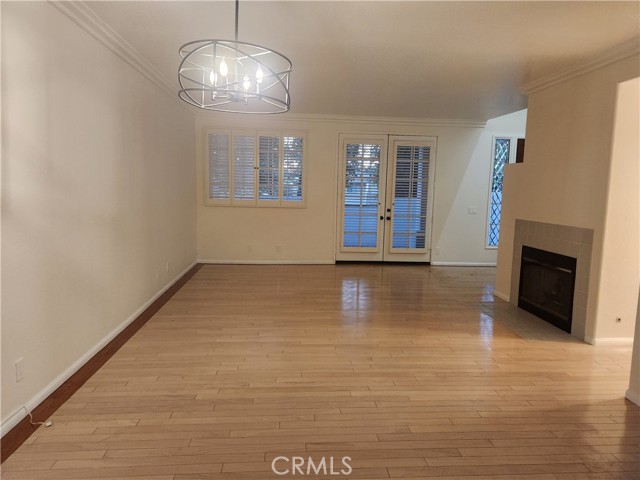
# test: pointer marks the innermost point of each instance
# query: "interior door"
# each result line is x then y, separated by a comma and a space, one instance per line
386, 198
363, 167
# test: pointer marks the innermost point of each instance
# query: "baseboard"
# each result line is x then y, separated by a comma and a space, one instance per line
633, 397
501, 296
463, 264
141, 315
622, 341
268, 262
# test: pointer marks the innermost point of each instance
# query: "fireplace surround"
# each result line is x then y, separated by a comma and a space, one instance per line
565, 240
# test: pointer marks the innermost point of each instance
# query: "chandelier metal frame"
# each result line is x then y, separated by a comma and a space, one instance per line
255, 81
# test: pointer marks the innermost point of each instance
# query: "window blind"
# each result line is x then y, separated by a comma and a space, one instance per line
244, 149
269, 167
410, 196
219, 166
292, 171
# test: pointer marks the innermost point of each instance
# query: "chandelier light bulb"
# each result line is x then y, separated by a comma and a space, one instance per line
213, 77
224, 69
246, 83
259, 75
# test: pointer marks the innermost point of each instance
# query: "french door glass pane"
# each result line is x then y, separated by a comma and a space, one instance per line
361, 195
410, 197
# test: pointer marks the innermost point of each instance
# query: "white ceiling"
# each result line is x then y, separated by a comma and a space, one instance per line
462, 60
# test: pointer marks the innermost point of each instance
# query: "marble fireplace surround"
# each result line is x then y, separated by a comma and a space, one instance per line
570, 241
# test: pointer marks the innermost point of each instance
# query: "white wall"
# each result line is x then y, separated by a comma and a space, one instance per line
98, 194
564, 177
460, 234
463, 164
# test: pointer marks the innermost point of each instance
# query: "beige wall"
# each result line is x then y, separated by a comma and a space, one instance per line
98, 194
620, 272
633, 393
232, 234
564, 178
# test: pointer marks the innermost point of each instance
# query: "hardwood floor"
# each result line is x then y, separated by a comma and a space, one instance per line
411, 371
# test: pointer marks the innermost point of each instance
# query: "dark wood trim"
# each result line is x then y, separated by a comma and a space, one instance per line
18, 434
520, 150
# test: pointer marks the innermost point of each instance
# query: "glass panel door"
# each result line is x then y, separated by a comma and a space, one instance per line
363, 172
410, 199
385, 208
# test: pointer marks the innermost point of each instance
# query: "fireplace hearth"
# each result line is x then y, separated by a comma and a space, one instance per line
547, 282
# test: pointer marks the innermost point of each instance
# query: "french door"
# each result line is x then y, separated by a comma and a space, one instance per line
385, 198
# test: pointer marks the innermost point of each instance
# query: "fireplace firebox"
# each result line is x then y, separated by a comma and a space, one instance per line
547, 282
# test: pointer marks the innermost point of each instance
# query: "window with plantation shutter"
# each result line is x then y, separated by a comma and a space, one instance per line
249, 168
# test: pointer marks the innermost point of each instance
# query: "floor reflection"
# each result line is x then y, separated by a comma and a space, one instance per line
486, 329
355, 298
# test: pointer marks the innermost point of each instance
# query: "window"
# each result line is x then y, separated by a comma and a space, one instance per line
501, 155
255, 168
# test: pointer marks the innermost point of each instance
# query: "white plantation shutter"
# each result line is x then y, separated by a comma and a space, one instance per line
244, 171
269, 168
219, 173
249, 168
292, 169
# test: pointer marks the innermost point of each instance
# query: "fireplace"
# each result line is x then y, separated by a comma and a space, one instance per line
573, 242
547, 283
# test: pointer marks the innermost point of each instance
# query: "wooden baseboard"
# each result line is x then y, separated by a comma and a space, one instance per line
623, 341
462, 264
18, 434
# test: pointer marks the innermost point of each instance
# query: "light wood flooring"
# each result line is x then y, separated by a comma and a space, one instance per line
412, 371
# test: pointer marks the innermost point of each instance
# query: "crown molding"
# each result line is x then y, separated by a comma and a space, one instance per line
82, 15
619, 52
85, 18
321, 118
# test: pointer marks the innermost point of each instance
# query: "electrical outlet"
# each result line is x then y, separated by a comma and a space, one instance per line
278, 248
19, 369
472, 210
437, 250
157, 274
250, 248
168, 267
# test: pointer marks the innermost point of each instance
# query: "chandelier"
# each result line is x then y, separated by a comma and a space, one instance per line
235, 77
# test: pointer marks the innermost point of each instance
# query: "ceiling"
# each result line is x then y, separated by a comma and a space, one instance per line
453, 60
